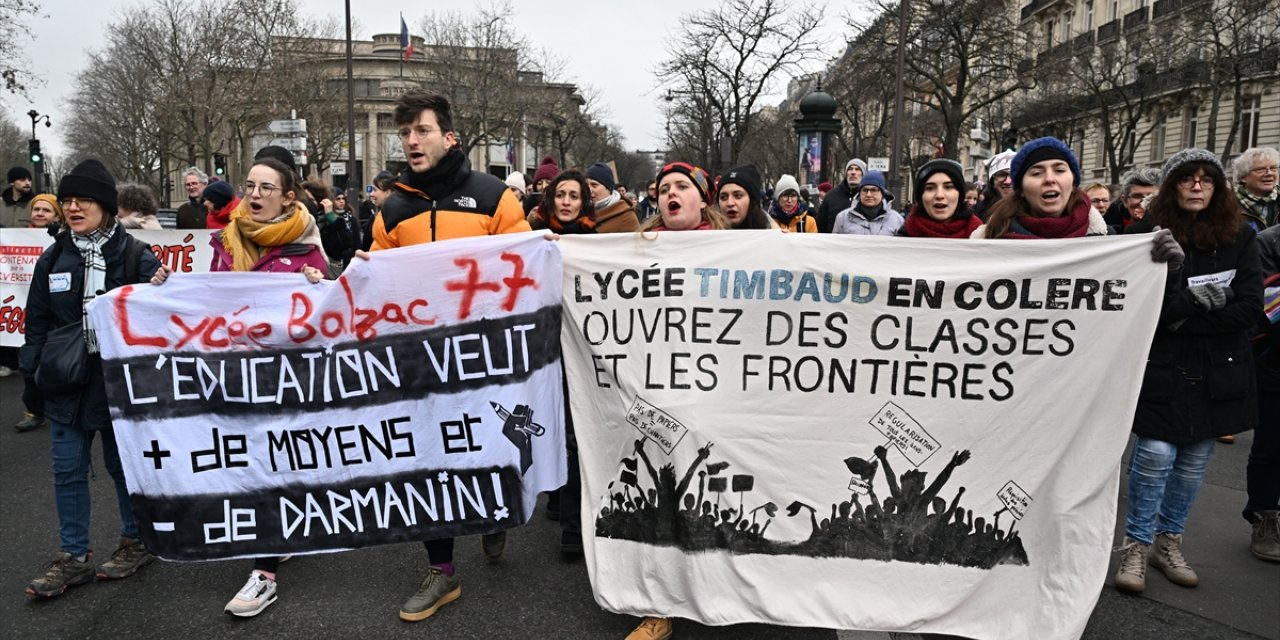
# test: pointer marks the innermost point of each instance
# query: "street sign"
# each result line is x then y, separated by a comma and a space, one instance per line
296, 125
300, 158
292, 144
338, 169
878, 164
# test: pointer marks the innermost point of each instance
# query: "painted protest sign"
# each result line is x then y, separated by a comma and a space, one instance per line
183, 251
419, 396
868, 439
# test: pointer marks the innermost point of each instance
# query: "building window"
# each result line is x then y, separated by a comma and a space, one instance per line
1191, 127
1158, 138
1077, 142
1250, 112
1067, 21
1088, 15
1048, 33
1115, 10
386, 121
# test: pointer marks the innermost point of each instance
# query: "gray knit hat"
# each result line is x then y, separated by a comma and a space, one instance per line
1190, 155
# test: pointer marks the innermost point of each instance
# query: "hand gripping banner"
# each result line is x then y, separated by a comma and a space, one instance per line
419, 396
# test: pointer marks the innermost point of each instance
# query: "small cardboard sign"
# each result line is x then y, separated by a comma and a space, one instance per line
1014, 499
656, 425
905, 433
859, 486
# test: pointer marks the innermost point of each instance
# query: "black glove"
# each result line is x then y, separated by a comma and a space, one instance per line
1210, 296
1165, 249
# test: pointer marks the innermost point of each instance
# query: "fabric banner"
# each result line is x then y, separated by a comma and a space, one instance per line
860, 433
419, 396
184, 251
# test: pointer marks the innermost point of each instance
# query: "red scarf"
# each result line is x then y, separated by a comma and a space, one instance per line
580, 224
1073, 225
920, 225
220, 218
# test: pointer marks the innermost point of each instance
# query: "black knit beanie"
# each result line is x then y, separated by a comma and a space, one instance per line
600, 172
747, 177
938, 165
278, 153
90, 179
19, 173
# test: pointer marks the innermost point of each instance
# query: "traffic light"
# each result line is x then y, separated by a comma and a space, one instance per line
36, 156
219, 164
1009, 139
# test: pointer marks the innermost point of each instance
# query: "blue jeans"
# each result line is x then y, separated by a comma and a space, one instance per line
1164, 479
1264, 457
72, 455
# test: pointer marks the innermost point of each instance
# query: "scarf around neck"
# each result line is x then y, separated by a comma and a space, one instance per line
439, 181
1263, 205
785, 218
245, 238
95, 276
579, 225
960, 225
608, 202
1075, 224
870, 214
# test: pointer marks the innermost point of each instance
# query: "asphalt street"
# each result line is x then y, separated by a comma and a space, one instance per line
531, 592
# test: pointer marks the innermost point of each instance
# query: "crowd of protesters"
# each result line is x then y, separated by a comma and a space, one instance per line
1213, 369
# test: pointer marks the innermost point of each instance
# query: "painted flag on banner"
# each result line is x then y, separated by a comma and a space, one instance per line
829, 431
406, 43
257, 414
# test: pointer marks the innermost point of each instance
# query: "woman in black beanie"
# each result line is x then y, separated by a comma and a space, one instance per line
91, 256
940, 210
738, 199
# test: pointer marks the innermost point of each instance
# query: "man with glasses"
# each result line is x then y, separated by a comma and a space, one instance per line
191, 214
1134, 186
439, 198
1099, 196
1256, 173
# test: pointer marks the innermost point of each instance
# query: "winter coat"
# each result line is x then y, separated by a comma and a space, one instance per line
84, 408
288, 258
15, 213
140, 221
1268, 365
1261, 212
647, 208
837, 200
473, 204
191, 215
853, 221
802, 222
341, 238
1200, 379
617, 217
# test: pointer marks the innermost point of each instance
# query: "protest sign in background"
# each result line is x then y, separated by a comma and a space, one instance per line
182, 251
417, 397
847, 432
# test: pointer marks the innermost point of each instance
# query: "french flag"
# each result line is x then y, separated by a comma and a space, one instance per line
406, 43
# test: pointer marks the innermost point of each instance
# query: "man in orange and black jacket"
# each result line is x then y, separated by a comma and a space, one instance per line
440, 198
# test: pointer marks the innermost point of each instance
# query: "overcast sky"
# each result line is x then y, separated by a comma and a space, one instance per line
613, 46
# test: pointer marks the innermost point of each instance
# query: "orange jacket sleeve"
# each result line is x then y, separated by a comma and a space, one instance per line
509, 217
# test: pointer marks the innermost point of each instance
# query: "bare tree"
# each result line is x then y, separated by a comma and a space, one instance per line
13, 56
962, 56
771, 146
13, 144
724, 60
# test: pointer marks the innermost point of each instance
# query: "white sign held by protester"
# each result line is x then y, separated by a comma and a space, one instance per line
828, 431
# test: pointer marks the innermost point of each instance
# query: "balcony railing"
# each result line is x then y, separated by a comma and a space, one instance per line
1164, 9
1083, 42
1109, 31
1135, 20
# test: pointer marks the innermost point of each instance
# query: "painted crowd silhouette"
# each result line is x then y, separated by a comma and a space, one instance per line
913, 524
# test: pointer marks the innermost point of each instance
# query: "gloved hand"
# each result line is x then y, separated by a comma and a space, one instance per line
1167, 250
1210, 296
330, 217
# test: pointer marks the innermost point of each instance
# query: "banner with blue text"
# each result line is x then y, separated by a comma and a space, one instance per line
418, 396
860, 433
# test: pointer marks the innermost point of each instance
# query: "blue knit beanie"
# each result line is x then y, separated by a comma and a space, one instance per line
1039, 150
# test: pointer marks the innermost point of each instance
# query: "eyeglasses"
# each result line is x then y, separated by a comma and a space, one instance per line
1100, 200
1257, 171
1205, 182
422, 131
194, 183
80, 203
265, 189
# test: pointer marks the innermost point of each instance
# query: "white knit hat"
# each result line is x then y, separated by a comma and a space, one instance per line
516, 181
784, 184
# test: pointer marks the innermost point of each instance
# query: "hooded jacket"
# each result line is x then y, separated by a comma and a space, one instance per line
855, 221
470, 204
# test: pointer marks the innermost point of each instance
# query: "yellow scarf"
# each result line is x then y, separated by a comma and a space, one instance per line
244, 237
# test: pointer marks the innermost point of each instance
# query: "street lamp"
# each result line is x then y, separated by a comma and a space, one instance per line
816, 126
37, 158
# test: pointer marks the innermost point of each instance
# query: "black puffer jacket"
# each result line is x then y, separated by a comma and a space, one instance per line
838, 199
1200, 381
1269, 364
46, 311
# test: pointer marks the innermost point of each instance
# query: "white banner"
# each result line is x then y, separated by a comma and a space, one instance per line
184, 251
859, 433
419, 396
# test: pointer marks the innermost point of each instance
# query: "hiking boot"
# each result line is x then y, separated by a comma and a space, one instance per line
1132, 575
29, 422
258, 593
1166, 555
62, 572
493, 544
652, 629
436, 591
1265, 543
125, 560
570, 544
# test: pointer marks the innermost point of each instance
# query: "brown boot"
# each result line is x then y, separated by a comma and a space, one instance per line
652, 629
1265, 543
1166, 555
1132, 575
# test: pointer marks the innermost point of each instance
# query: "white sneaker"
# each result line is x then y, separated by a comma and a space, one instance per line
256, 594
5, 372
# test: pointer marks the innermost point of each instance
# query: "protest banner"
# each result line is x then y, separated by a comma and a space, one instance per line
419, 396
860, 433
184, 251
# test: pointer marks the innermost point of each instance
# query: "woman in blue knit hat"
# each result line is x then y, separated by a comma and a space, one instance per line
1200, 380
1047, 201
